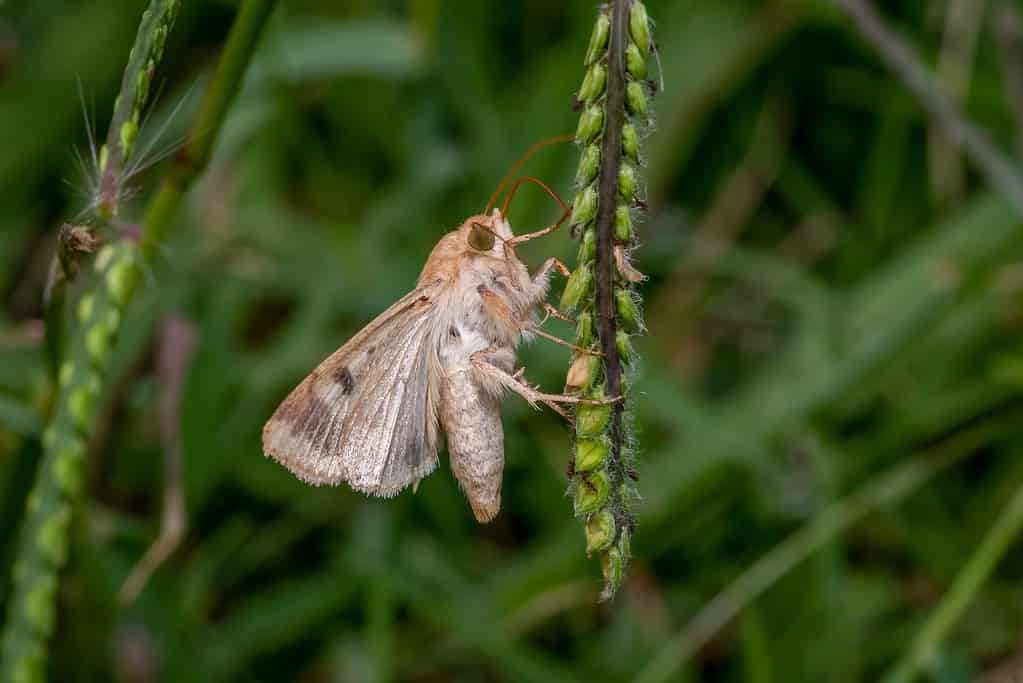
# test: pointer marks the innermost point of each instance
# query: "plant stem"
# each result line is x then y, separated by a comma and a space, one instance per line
607, 202
970, 580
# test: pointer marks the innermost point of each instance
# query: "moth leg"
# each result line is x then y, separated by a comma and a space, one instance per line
551, 312
519, 239
517, 383
540, 283
568, 345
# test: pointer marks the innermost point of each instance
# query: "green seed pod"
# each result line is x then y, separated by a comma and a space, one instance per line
119, 280
67, 469
577, 286
67, 370
589, 164
39, 604
81, 404
97, 343
614, 561
591, 420
593, 83
598, 39
628, 311
624, 346
587, 246
635, 98
584, 329
591, 493
591, 121
623, 224
630, 142
584, 208
129, 131
600, 531
86, 305
635, 62
590, 454
52, 535
627, 183
639, 27
104, 153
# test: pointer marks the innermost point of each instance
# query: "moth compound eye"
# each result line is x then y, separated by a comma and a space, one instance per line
480, 238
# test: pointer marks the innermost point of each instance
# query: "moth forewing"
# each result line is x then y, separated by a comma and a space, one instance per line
365, 414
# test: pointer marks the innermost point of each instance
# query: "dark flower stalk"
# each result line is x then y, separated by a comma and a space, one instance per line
613, 98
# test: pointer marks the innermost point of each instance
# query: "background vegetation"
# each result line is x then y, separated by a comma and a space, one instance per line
830, 386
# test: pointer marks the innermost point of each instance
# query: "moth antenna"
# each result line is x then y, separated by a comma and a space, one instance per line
518, 164
536, 181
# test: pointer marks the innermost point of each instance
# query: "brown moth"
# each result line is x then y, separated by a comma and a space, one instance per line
436, 362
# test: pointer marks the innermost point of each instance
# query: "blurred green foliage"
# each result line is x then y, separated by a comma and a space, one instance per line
825, 306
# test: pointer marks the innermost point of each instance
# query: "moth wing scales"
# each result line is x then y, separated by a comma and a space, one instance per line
379, 375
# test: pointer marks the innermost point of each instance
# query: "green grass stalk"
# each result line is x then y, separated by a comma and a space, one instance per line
98, 316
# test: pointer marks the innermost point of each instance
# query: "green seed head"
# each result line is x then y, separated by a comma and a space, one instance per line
628, 311
636, 99
67, 468
39, 604
591, 122
86, 305
591, 493
600, 531
598, 39
119, 280
589, 164
590, 454
623, 224
624, 346
129, 131
81, 403
584, 329
51, 538
614, 561
639, 26
97, 343
627, 183
591, 420
593, 83
635, 62
587, 246
584, 208
630, 142
576, 288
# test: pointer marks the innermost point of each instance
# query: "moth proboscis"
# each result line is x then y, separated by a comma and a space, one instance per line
436, 361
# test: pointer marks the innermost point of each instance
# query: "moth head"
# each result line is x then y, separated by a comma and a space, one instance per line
488, 234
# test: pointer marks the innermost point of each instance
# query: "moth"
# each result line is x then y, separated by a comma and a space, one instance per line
434, 365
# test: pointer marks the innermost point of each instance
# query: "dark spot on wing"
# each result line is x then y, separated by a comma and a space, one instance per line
423, 299
454, 332
343, 376
413, 455
371, 350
